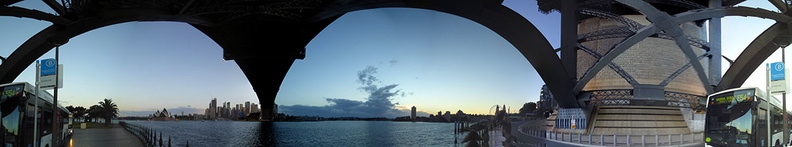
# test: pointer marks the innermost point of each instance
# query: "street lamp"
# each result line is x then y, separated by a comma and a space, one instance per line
56, 41
783, 41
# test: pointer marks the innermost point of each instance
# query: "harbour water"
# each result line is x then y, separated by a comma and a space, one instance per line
316, 133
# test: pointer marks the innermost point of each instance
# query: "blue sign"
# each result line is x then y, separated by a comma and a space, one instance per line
49, 67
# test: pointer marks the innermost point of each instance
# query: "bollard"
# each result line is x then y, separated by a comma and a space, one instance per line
188, 143
169, 143
160, 141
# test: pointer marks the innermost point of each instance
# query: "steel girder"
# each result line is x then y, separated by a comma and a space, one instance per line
680, 70
612, 65
753, 56
661, 20
502, 20
680, 18
34, 14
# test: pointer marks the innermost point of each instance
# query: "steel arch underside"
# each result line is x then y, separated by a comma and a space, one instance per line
760, 48
491, 14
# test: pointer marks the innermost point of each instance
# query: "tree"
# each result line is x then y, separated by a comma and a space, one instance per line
77, 112
529, 107
108, 110
93, 113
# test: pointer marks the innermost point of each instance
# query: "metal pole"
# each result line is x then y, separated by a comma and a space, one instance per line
785, 135
55, 129
35, 110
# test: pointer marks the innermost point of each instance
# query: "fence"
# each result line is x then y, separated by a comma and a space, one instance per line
148, 135
616, 140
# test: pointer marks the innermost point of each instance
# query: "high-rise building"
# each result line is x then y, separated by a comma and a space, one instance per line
412, 114
240, 110
227, 110
212, 109
254, 108
206, 113
247, 108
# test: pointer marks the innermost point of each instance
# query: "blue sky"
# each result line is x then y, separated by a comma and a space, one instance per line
438, 62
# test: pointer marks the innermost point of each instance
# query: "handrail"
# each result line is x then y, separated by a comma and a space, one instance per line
147, 135
615, 140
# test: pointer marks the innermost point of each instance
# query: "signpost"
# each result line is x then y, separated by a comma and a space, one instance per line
777, 84
50, 74
778, 80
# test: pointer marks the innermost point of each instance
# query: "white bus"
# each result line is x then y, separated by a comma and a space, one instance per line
17, 111
743, 117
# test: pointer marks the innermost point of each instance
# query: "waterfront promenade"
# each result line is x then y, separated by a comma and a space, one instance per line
102, 136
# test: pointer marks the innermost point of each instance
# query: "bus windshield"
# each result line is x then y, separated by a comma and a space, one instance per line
729, 118
9, 109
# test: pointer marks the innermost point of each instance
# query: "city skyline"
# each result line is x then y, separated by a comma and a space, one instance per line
438, 61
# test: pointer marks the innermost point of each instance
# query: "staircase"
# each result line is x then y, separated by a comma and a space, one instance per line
638, 120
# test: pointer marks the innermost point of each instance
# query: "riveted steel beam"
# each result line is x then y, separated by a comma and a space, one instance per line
666, 23
626, 76
680, 70
613, 53
34, 14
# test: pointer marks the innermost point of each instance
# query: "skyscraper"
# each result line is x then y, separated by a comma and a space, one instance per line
227, 110
247, 108
254, 108
212, 109
412, 114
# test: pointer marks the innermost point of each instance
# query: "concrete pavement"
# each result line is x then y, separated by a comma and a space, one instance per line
114, 135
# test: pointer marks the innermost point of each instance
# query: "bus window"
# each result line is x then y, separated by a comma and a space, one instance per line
730, 120
10, 98
761, 128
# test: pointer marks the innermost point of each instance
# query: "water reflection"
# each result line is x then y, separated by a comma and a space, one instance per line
320, 133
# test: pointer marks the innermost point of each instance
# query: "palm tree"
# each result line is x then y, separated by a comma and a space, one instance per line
108, 110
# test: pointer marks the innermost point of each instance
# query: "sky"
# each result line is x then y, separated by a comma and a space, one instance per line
366, 63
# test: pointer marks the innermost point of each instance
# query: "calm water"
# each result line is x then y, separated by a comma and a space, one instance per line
321, 133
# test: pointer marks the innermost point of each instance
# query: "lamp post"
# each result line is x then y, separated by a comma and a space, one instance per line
783, 41
56, 41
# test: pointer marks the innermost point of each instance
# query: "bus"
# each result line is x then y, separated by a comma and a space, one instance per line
743, 117
17, 122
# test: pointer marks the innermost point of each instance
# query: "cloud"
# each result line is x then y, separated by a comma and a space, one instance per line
377, 104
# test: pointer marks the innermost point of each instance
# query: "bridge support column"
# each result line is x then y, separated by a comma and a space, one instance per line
265, 75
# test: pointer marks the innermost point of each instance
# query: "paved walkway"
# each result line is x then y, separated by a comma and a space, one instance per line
104, 137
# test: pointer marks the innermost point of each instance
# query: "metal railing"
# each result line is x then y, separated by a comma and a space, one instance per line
147, 135
616, 140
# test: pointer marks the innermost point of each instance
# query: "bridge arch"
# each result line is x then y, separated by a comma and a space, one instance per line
510, 25
760, 48
513, 27
39, 44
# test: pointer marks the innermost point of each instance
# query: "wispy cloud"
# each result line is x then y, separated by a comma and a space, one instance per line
378, 104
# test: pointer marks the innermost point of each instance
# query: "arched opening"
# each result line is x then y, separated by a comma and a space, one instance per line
434, 58
531, 33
